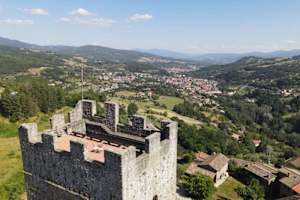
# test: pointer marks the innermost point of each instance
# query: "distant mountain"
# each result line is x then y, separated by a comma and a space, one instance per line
100, 53
15, 43
220, 58
95, 53
165, 53
158, 56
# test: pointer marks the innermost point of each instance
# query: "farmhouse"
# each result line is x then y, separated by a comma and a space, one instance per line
214, 166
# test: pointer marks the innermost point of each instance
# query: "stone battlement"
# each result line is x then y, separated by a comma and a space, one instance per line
88, 149
93, 157
96, 137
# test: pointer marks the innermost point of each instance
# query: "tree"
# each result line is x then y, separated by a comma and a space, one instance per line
254, 191
279, 162
132, 109
188, 157
232, 166
198, 186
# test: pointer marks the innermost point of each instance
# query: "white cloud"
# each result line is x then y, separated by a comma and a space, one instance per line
140, 17
102, 22
97, 22
80, 12
36, 11
16, 22
64, 19
291, 42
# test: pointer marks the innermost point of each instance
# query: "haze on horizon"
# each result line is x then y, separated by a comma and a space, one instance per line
194, 26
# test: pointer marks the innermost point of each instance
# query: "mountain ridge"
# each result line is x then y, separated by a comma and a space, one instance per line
97, 53
222, 58
101, 53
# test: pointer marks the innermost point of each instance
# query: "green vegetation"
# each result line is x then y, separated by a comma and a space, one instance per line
11, 175
209, 139
154, 109
228, 190
253, 191
13, 60
198, 186
132, 109
7, 129
126, 94
26, 99
189, 109
169, 101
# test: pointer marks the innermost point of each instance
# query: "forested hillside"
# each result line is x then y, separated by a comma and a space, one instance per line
13, 60
259, 72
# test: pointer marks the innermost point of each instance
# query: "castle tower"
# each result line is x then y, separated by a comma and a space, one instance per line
86, 159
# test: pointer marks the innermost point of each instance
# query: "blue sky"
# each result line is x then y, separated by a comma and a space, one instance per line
194, 26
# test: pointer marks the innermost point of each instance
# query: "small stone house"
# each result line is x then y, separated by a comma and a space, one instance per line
214, 166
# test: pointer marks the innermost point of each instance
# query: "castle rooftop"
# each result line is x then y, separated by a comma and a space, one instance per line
94, 148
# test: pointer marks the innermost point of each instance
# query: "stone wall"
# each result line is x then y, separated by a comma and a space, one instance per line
52, 174
69, 171
153, 173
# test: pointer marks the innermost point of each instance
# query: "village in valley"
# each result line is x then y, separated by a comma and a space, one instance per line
149, 100
164, 96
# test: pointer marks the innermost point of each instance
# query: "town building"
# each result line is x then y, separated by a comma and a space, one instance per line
92, 157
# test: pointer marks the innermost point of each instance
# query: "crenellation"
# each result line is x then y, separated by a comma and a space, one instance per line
76, 114
57, 122
153, 143
138, 123
30, 132
86, 159
112, 115
89, 108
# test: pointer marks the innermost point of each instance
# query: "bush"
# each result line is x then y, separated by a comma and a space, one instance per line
198, 186
188, 157
254, 191
132, 109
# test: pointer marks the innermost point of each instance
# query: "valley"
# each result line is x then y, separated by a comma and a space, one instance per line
245, 110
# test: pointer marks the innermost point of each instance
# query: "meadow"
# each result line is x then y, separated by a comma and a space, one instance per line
11, 174
155, 109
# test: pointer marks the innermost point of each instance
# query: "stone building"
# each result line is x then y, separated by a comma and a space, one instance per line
92, 157
214, 166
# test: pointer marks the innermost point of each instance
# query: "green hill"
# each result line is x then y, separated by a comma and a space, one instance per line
14, 60
271, 72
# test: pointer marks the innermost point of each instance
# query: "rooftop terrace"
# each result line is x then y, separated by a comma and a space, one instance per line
94, 148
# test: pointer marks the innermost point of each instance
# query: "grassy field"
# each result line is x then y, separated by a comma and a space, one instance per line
170, 102
167, 114
7, 129
158, 111
11, 175
125, 93
227, 190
